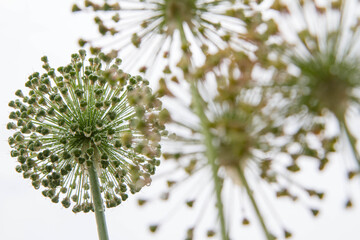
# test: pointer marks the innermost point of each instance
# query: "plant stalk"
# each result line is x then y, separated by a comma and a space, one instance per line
97, 199
211, 155
253, 202
352, 140
210, 150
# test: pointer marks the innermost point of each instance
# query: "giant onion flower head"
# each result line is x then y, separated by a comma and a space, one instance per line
328, 61
158, 27
251, 129
323, 48
255, 143
86, 115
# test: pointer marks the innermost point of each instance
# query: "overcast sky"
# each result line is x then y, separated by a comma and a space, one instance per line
31, 29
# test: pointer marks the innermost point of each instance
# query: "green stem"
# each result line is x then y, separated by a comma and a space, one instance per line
253, 202
97, 199
210, 150
352, 141
211, 155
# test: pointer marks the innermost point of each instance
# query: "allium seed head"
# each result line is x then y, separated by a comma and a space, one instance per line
77, 120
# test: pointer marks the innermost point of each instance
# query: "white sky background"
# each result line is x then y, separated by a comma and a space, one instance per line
31, 29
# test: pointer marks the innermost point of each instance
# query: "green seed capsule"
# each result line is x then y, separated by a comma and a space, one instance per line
18, 169
19, 93
81, 160
66, 202
54, 158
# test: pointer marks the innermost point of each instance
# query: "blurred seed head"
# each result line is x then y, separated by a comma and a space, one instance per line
84, 113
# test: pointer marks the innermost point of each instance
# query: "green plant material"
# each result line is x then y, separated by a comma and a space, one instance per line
87, 135
209, 25
96, 194
328, 66
253, 202
211, 155
246, 124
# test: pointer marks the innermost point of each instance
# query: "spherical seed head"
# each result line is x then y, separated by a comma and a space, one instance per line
190, 22
328, 62
246, 125
329, 82
67, 130
176, 13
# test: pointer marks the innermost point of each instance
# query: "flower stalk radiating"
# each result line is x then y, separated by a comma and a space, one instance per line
248, 134
157, 28
328, 64
86, 136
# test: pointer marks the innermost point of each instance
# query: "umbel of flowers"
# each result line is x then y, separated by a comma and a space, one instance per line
252, 141
86, 126
157, 28
328, 65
